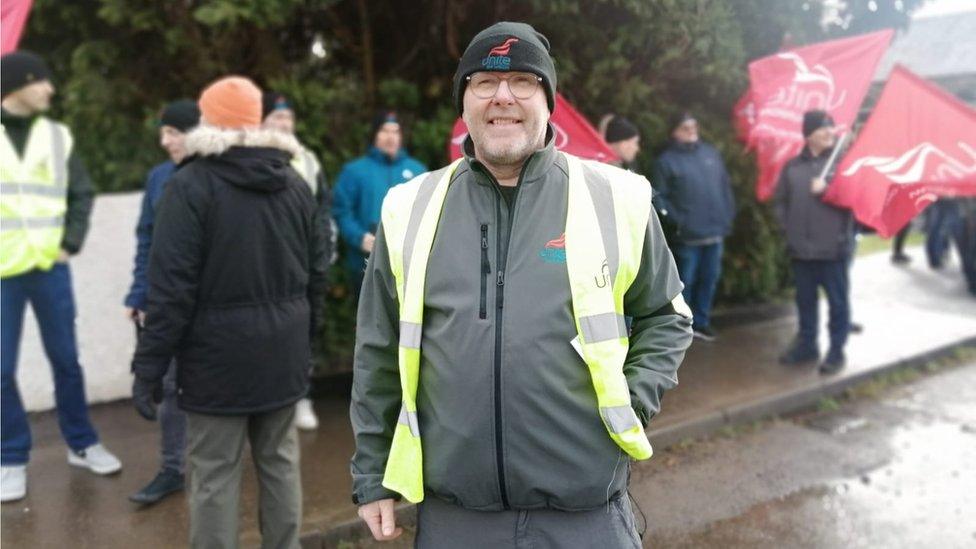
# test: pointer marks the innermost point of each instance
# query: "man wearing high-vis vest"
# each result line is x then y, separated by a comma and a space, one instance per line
277, 114
496, 381
45, 201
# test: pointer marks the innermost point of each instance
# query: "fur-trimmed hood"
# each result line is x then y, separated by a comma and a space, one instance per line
205, 140
258, 160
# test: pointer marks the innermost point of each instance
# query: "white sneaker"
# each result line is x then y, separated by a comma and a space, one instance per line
96, 459
13, 482
305, 418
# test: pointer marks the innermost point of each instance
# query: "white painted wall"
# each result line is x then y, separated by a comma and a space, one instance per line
101, 273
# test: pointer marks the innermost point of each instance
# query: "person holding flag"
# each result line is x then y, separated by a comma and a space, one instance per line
818, 240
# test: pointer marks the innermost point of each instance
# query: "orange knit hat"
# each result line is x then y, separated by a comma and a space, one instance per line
231, 102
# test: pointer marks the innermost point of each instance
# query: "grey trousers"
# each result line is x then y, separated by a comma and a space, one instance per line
172, 424
443, 525
215, 457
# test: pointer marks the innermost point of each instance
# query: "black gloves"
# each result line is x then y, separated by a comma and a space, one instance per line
146, 395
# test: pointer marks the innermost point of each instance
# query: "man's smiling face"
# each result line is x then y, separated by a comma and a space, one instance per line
505, 130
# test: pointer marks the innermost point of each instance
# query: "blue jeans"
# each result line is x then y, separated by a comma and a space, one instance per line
831, 275
941, 221
172, 424
52, 300
699, 268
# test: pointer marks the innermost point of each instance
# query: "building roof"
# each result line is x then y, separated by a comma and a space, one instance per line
934, 47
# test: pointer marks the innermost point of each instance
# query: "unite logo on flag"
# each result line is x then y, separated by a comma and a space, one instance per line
832, 76
913, 166
919, 144
810, 88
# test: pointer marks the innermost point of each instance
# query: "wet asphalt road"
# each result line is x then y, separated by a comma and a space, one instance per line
893, 470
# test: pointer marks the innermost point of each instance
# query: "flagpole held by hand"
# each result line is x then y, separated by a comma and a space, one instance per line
833, 155
819, 184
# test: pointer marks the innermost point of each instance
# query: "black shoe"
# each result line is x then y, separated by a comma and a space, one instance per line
797, 355
705, 333
901, 258
166, 482
856, 327
834, 363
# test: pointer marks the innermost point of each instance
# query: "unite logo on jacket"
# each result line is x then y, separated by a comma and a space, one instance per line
554, 250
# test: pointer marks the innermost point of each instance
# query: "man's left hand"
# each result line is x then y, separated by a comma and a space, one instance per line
818, 185
63, 256
146, 395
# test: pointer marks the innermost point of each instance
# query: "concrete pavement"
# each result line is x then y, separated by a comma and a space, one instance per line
908, 313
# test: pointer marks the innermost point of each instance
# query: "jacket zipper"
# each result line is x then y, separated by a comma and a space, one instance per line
502, 262
485, 270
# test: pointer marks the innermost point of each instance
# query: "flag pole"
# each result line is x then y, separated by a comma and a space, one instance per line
833, 155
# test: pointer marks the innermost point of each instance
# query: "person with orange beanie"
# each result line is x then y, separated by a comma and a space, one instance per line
236, 271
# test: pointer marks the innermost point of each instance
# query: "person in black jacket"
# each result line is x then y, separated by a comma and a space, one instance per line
694, 195
235, 267
819, 242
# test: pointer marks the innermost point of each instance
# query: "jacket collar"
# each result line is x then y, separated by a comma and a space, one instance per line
536, 165
207, 140
807, 154
685, 147
381, 156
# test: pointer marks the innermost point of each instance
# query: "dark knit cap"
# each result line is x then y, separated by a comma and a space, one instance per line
183, 115
271, 101
382, 117
506, 47
20, 69
814, 120
620, 129
679, 119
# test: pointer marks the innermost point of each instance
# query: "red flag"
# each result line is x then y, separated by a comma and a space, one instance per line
833, 76
744, 116
919, 144
13, 15
574, 135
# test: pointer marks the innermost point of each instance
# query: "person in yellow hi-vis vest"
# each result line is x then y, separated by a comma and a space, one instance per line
45, 202
278, 114
520, 320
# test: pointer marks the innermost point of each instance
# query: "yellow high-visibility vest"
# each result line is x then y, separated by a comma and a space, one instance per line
33, 198
601, 264
308, 167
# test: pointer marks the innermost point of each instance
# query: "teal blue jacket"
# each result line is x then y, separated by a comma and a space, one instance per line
359, 193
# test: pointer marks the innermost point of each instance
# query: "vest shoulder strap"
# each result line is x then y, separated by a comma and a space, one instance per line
629, 197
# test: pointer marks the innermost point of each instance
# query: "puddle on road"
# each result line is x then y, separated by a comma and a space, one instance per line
923, 497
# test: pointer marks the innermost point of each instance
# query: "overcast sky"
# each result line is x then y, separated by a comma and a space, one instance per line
942, 7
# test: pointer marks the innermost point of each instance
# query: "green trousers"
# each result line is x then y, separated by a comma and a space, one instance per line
215, 446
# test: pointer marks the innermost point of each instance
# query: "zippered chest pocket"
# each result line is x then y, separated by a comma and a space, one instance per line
485, 271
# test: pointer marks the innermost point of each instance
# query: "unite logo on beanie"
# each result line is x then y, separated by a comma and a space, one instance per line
498, 59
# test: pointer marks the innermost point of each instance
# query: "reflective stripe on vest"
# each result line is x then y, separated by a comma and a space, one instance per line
605, 228
33, 198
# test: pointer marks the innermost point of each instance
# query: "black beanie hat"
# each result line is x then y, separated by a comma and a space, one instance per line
814, 120
679, 119
21, 68
183, 115
382, 117
620, 129
504, 47
271, 101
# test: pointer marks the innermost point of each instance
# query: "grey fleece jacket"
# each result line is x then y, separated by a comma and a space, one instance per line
814, 230
506, 406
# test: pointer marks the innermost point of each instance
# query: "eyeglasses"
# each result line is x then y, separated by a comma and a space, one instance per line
484, 85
